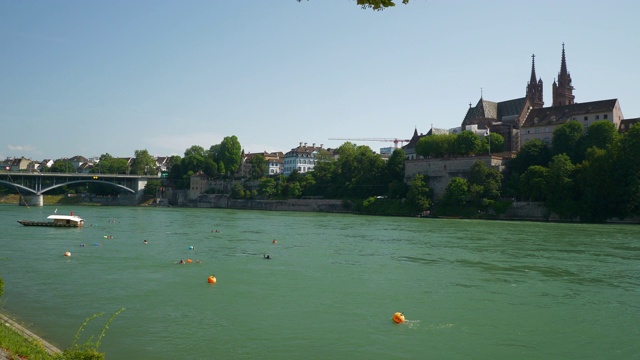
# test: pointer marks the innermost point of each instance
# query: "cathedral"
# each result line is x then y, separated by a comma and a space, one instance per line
513, 117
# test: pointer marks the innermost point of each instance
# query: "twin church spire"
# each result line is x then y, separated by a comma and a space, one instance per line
562, 89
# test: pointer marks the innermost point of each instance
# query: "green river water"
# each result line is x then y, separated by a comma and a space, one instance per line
469, 289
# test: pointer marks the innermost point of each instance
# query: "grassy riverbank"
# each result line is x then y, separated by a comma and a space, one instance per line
14, 344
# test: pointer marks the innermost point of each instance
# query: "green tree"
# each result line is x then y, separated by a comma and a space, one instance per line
231, 154
561, 189
395, 165
143, 164
467, 143
377, 4
457, 192
533, 183
62, 166
596, 186
532, 153
419, 194
601, 134
152, 187
438, 145
267, 187
567, 140
258, 166
626, 172
495, 140
486, 181
237, 191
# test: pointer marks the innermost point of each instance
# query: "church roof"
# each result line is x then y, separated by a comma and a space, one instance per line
560, 114
495, 110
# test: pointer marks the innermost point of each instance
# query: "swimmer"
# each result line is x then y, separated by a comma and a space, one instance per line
274, 241
266, 256
145, 242
181, 262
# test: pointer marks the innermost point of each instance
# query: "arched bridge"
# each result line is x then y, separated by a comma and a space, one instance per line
39, 183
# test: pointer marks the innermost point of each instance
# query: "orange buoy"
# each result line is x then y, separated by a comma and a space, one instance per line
211, 279
67, 253
398, 318
189, 260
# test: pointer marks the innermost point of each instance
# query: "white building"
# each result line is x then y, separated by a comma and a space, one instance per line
301, 158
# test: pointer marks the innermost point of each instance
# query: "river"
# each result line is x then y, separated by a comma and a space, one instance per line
469, 289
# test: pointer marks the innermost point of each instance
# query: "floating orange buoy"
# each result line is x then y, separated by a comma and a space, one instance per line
189, 261
67, 253
398, 318
211, 279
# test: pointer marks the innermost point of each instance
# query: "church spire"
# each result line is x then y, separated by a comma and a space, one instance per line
533, 69
563, 90
563, 65
534, 88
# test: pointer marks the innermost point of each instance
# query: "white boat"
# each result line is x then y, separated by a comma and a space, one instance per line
58, 221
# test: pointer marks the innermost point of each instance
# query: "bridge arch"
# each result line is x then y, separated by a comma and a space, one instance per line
10, 184
84, 181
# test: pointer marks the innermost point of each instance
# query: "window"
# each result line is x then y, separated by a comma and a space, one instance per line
605, 116
546, 129
586, 118
597, 117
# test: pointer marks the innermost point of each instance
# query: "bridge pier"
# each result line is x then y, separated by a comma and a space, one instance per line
31, 200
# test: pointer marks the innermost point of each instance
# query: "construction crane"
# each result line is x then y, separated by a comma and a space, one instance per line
395, 141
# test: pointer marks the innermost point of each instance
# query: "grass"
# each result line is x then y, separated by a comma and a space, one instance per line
18, 346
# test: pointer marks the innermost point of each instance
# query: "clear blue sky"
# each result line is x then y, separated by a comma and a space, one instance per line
93, 77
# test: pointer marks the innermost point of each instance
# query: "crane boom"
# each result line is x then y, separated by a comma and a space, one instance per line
395, 141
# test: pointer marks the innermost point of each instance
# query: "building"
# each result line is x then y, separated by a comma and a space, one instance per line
274, 160
540, 123
301, 159
506, 117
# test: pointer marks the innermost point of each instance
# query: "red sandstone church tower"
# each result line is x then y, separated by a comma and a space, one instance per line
534, 87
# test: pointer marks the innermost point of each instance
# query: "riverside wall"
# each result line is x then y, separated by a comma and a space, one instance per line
182, 199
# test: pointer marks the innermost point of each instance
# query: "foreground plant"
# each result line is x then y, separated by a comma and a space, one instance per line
89, 349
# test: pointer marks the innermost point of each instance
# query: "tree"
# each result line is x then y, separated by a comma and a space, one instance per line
377, 5
495, 140
395, 165
152, 187
231, 154
485, 180
567, 140
237, 191
258, 166
626, 172
533, 183
560, 186
419, 194
143, 164
267, 187
534, 152
438, 145
457, 192
601, 134
62, 166
596, 186
467, 143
